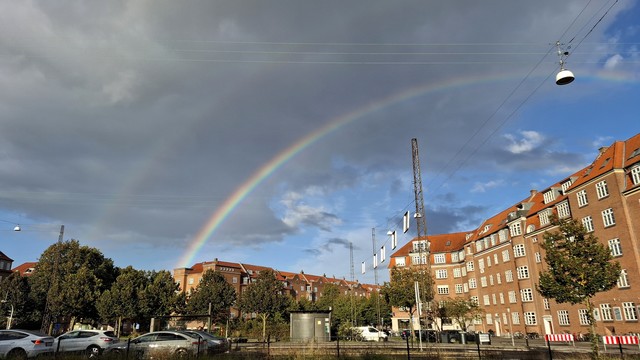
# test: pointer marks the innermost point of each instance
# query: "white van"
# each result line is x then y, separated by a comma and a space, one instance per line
369, 333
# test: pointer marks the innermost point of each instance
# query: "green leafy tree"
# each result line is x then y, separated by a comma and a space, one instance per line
123, 300
400, 290
68, 280
15, 290
160, 296
462, 311
264, 298
213, 290
579, 268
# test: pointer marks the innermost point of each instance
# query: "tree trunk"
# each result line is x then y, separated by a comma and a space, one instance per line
264, 326
595, 351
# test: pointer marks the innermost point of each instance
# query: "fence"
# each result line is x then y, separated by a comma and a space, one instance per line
620, 340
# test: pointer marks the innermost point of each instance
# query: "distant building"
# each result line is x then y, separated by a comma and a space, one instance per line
239, 275
26, 269
498, 264
5, 265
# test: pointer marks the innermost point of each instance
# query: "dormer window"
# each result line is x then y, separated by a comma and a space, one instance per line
635, 175
566, 185
486, 228
549, 196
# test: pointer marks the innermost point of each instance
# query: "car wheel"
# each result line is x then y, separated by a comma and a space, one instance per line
17, 354
182, 353
93, 351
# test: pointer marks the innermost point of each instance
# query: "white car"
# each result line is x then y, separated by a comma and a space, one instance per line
89, 342
159, 344
22, 344
369, 333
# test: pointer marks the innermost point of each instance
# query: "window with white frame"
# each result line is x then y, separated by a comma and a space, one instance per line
530, 228
441, 274
515, 318
615, 247
443, 289
474, 300
607, 217
526, 295
479, 245
493, 296
518, 250
502, 235
635, 175
454, 257
582, 198
505, 255
587, 223
563, 210
470, 265
530, 318
464, 271
623, 280
566, 185
400, 261
501, 295
512, 297
495, 259
515, 229
459, 289
473, 284
605, 312
457, 273
465, 287
508, 276
483, 281
523, 272
601, 189
481, 265
563, 317
549, 196
630, 313
545, 304
544, 217
486, 300
439, 259
538, 257
583, 316
489, 319
491, 280
499, 278
489, 261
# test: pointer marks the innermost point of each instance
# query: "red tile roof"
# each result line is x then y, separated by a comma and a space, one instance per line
25, 269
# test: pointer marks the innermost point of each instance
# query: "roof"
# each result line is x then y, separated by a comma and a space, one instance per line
5, 257
25, 269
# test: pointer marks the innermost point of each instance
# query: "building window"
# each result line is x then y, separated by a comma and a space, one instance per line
563, 210
635, 175
441, 274
508, 276
608, 218
614, 246
566, 185
483, 281
630, 313
518, 250
454, 257
459, 289
582, 198
457, 273
582, 315
481, 265
502, 235
501, 298
623, 280
526, 295
563, 317
443, 289
469, 265
479, 245
545, 303
515, 318
549, 196
486, 300
505, 255
234, 280
523, 272
472, 283
605, 312
538, 257
515, 229
489, 261
191, 281
587, 223
530, 318
512, 297
544, 217
499, 278
439, 259
601, 189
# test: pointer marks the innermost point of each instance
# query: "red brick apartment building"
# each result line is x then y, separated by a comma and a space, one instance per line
298, 285
498, 264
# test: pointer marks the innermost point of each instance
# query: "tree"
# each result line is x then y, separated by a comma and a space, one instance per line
123, 300
213, 290
264, 297
69, 278
400, 290
160, 296
463, 311
15, 290
579, 268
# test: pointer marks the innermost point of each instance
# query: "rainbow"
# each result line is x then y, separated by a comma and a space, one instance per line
222, 212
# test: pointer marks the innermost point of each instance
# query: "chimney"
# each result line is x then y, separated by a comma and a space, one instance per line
533, 192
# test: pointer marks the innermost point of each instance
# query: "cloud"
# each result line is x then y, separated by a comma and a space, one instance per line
613, 62
528, 142
483, 187
297, 213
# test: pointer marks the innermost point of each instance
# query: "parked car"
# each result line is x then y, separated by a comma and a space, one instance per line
22, 344
90, 342
369, 333
159, 344
215, 344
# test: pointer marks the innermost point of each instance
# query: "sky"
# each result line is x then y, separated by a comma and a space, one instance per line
278, 133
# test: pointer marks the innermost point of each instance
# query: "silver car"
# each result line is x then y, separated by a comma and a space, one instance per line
22, 344
159, 344
215, 344
89, 342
